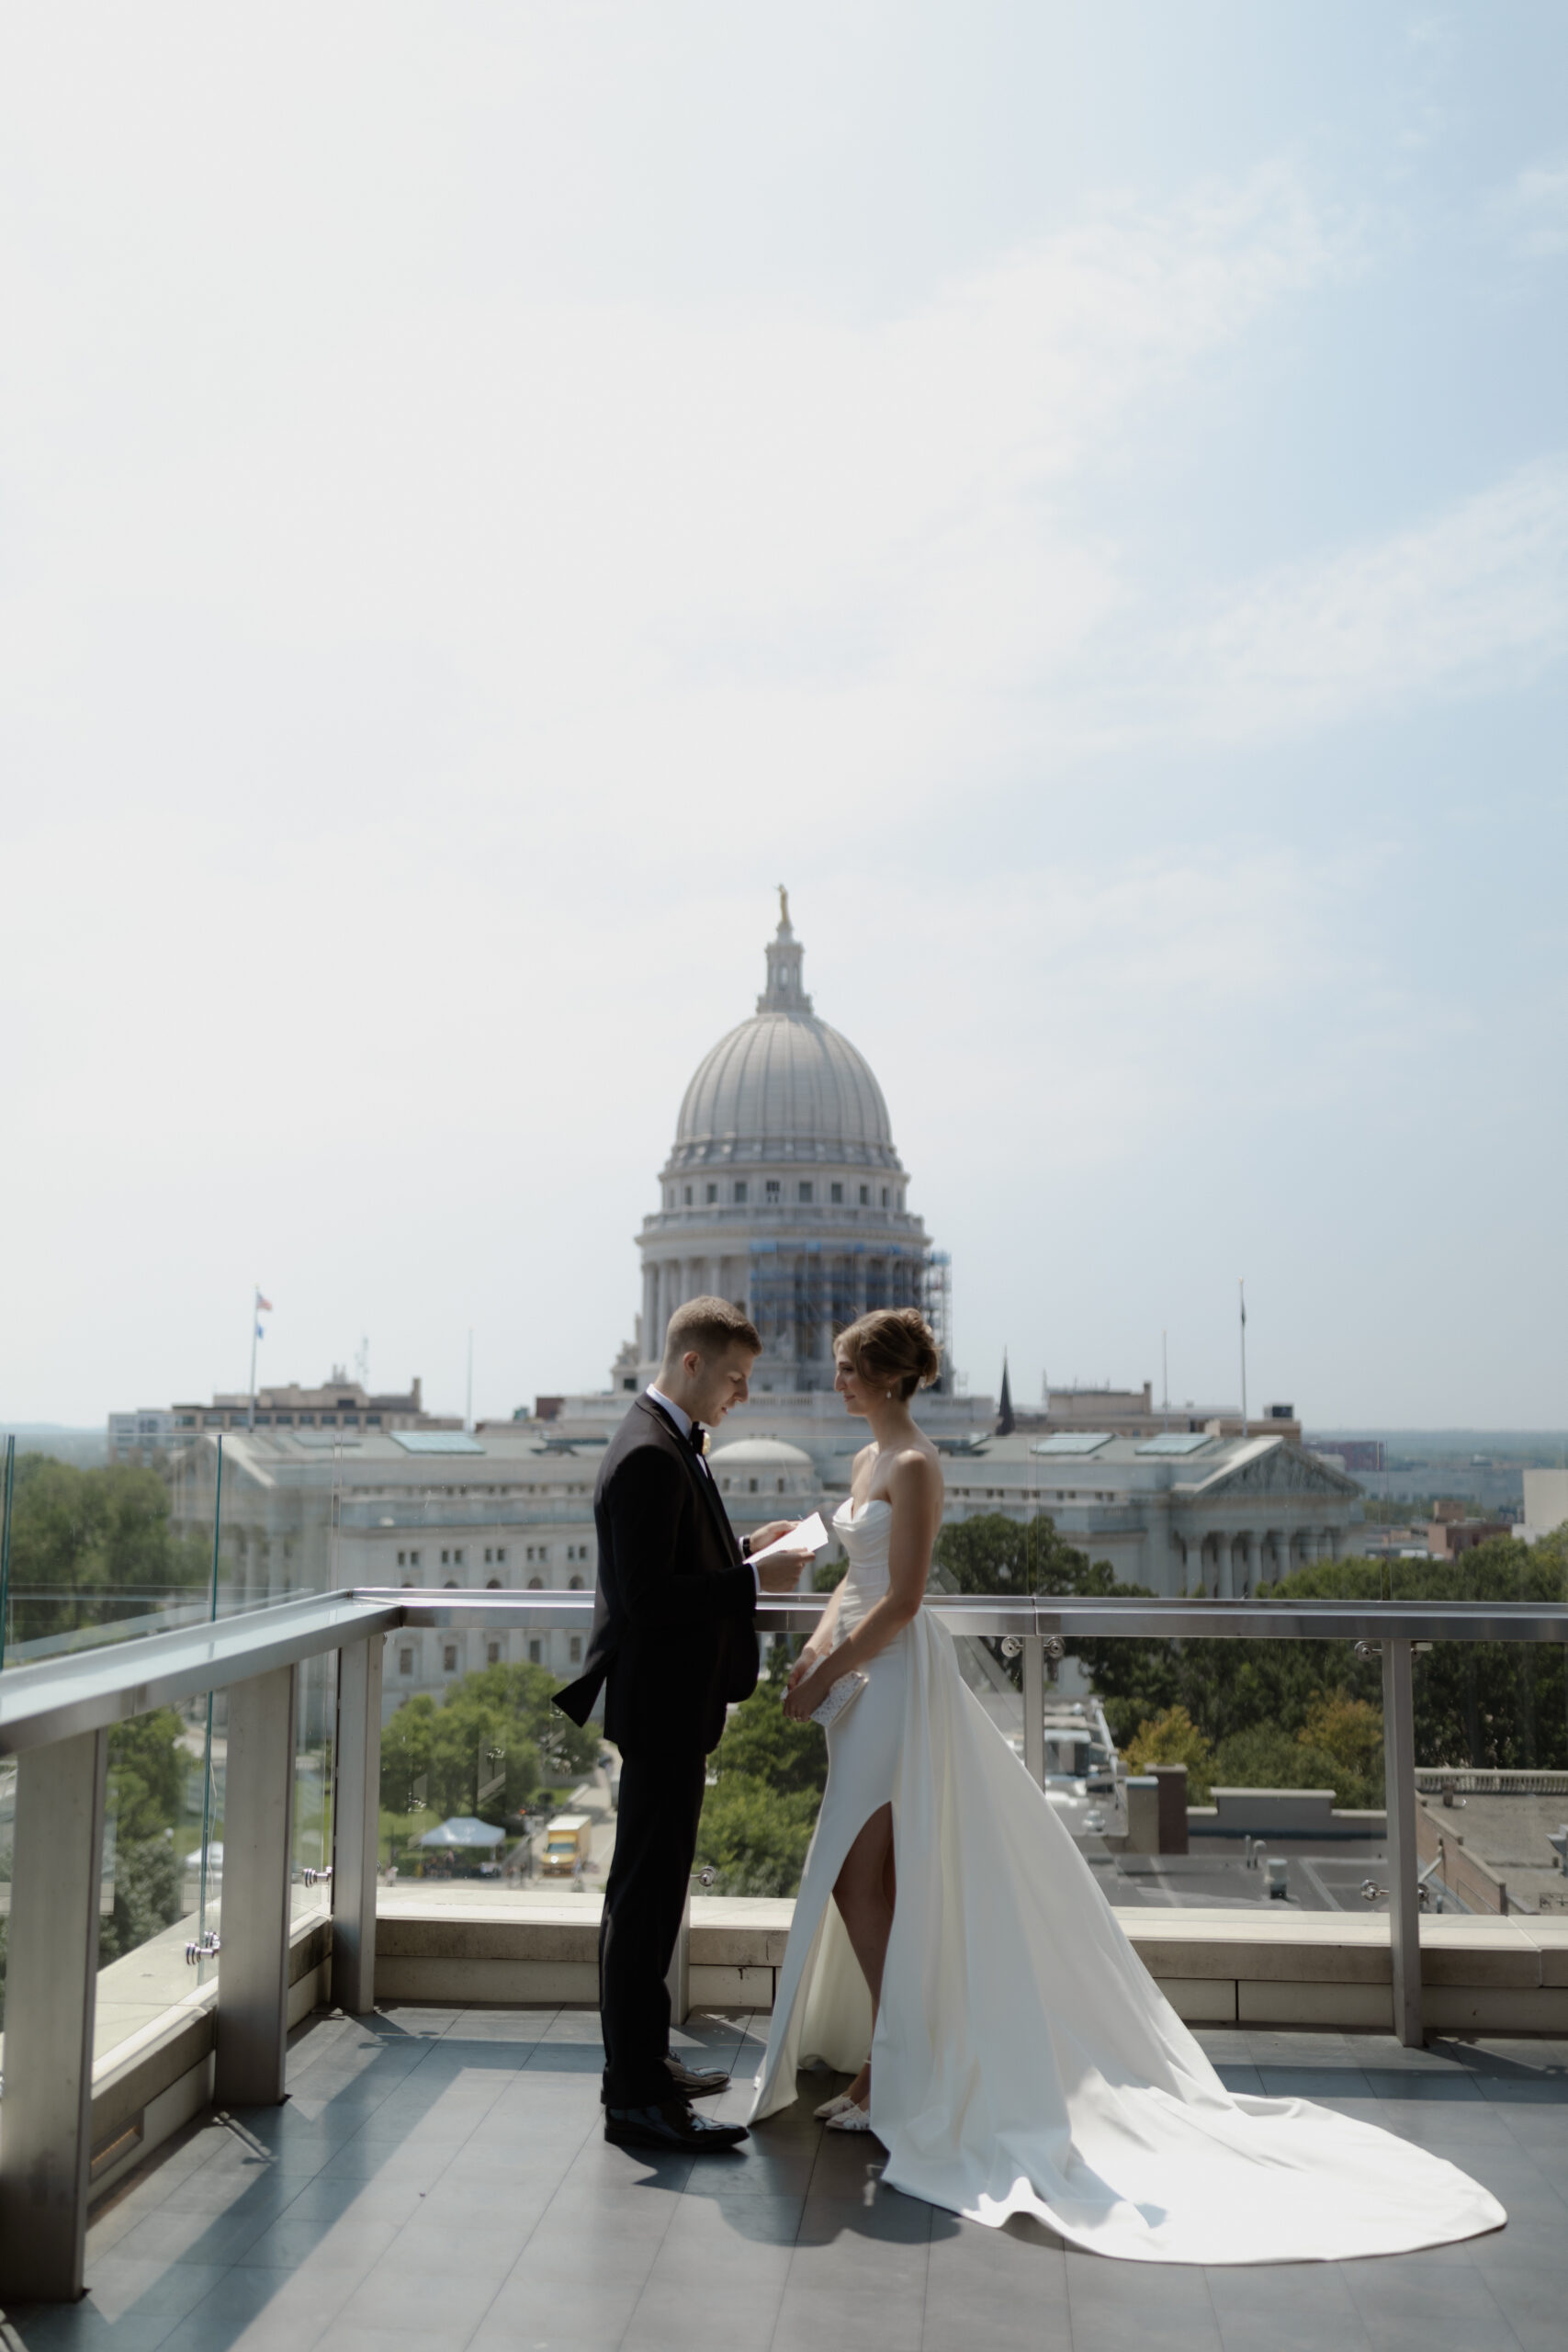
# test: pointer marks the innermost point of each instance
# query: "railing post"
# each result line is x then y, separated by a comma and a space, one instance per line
356, 1816
1404, 1896
1035, 1707
50, 1986
258, 1825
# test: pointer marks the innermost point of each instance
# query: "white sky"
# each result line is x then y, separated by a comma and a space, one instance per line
1080, 493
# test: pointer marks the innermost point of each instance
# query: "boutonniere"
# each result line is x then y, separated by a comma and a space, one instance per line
702, 1436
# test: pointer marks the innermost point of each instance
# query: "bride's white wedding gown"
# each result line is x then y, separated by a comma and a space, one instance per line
1024, 2060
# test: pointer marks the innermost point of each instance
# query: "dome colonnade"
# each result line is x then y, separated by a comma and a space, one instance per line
783, 1191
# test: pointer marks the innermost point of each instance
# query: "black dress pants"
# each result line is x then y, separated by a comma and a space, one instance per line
656, 1837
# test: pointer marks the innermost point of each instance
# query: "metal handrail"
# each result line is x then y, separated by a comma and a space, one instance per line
56, 1698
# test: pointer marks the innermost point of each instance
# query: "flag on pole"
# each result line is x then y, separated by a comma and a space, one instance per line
264, 1305
261, 1330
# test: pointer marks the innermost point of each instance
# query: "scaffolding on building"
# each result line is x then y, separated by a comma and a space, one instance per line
801, 1294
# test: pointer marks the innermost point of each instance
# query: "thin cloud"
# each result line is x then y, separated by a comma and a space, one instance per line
1469, 602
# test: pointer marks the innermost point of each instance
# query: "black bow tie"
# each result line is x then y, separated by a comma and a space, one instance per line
695, 1437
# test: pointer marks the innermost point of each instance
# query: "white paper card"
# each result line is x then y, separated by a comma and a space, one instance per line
809, 1536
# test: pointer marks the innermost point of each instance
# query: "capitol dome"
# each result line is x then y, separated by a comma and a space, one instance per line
783, 1086
783, 1191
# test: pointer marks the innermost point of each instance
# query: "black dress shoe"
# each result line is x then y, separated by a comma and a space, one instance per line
692, 2084
672, 2127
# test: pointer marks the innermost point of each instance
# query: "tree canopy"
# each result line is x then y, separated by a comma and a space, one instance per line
770, 1773
79, 1535
1493, 1704
498, 1725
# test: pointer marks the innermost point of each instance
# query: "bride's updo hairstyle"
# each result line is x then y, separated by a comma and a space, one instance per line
894, 1347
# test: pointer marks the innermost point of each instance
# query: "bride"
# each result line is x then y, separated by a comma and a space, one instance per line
1013, 2054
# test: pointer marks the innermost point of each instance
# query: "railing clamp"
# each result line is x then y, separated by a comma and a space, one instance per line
1055, 1648
316, 1878
1368, 1649
1011, 1645
207, 1947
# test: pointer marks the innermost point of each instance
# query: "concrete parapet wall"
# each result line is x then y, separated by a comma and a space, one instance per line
148, 2085
1214, 1967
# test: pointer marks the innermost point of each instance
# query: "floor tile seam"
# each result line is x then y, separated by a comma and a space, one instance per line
354, 2283
539, 2219
1472, 2270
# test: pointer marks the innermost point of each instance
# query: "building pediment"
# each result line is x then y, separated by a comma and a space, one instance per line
1272, 1465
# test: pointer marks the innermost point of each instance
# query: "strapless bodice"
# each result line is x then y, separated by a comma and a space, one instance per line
865, 1534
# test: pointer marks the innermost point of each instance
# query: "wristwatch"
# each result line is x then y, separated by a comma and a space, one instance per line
745, 1547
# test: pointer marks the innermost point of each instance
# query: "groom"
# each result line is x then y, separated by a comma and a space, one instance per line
674, 1639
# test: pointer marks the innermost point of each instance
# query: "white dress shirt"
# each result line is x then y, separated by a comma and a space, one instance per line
683, 1423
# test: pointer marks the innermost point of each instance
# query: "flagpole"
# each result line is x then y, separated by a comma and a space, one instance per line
1241, 1288
255, 1334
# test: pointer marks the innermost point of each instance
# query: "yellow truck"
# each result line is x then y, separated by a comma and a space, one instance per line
569, 1841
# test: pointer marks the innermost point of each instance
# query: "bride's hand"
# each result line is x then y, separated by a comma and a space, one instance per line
806, 1693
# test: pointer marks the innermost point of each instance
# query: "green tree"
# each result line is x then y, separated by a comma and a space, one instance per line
79, 1538
147, 1773
147, 1764
496, 1726
1018, 1558
1489, 1704
769, 1775
755, 1838
1173, 1738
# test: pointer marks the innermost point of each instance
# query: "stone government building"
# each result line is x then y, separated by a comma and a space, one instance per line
784, 1189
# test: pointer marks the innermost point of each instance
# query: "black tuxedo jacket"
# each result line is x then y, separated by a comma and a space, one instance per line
674, 1618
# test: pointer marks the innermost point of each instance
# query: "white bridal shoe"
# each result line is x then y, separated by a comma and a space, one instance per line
831, 2107
849, 2118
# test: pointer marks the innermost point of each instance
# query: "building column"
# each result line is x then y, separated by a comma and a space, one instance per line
1224, 1568
1331, 1543
652, 1339
1252, 1553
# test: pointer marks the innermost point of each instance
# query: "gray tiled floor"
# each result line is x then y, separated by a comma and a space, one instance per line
438, 2178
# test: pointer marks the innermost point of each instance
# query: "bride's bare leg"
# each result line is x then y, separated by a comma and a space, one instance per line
865, 1894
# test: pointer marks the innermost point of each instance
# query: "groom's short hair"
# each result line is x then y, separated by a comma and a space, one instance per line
710, 1325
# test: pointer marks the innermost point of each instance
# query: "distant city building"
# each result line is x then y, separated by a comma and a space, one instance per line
1132, 1412
341, 1403
137, 1436
308, 1509
1546, 1504
1178, 1511
1358, 1455
1449, 1533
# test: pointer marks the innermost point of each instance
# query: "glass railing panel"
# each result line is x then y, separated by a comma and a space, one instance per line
315, 1724
100, 1553
277, 1509
1249, 1773
151, 1912
7, 1848
487, 1787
